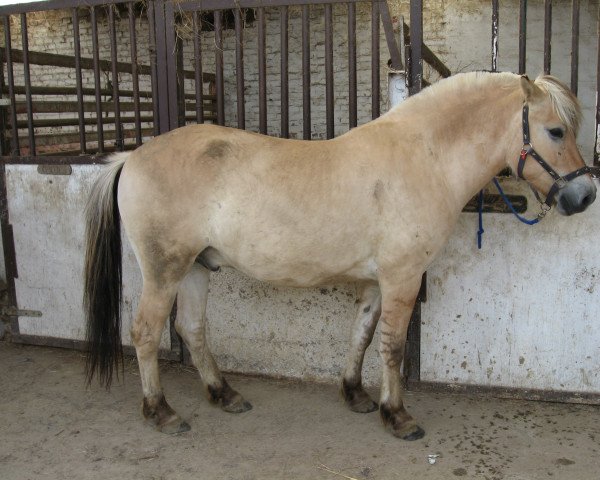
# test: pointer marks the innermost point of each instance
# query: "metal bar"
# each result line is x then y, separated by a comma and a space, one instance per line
54, 160
4, 148
79, 80
375, 76
597, 143
41, 6
306, 127
115, 76
8, 243
547, 36
285, 83
416, 46
239, 68
352, 78
27, 79
180, 82
219, 68
522, 36
134, 74
329, 105
575, 47
209, 5
198, 68
153, 66
388, 28
162, 77
262, 72
97, 86
56, 60
11, 88
495, 22
171, 56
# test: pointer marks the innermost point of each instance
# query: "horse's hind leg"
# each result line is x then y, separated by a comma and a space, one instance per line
369, 309
191, 325
155, 305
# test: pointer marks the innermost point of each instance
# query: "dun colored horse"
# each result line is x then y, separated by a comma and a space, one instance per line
373, 206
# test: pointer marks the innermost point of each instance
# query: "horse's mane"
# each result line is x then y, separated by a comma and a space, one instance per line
565, 104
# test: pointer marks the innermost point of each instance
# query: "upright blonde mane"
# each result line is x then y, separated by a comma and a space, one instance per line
566, 105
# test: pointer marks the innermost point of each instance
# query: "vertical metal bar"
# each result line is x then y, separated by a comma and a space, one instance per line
162, 68
8, 243
307, 130
171, 56
547, 36
522, 36
115, 77
329, 70
597, 145
4, 148
239, 68
79, 80
16, 151
219, 68
262, 73
134, 75
285, 84
416, 43
375, 76
495, 22
180, 83
153, 68
27, 79
352, 79
575, 47
97, 86
198, 68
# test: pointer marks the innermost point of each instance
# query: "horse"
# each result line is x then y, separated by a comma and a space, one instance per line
373, 206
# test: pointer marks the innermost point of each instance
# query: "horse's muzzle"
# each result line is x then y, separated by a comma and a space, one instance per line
576, 196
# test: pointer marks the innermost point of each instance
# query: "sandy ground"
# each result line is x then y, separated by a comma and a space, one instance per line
52, 427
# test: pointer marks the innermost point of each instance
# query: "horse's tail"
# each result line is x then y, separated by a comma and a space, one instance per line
102, 273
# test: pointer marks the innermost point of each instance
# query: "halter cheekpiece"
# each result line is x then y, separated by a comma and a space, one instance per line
559, 181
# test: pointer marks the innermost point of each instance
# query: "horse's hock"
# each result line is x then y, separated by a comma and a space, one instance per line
489, 320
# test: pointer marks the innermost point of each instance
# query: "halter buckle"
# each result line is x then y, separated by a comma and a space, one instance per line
561, 182
525, 150
544, 209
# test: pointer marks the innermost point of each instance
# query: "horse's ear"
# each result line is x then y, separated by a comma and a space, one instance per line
530, 89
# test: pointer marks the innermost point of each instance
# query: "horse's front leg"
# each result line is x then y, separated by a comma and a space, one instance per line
398, 301
369, 309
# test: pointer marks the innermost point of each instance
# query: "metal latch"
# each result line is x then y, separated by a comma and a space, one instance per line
7, 311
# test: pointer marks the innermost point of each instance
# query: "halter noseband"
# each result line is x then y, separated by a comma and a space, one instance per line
559, 181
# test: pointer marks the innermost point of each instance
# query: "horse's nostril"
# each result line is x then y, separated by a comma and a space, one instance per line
587, 200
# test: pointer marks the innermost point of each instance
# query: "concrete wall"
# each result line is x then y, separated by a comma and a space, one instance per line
517, 313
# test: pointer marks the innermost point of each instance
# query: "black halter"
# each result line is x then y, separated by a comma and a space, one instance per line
559, 181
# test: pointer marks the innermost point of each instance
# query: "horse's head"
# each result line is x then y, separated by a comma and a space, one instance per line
550, 160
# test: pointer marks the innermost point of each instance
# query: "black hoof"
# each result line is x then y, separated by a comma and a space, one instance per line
237, 407
416, 435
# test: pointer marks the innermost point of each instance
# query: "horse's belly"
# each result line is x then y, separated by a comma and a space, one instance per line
289, 270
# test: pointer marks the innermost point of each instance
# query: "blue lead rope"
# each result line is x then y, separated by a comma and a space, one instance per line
510, 206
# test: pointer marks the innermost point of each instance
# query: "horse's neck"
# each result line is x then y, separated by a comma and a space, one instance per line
473, 138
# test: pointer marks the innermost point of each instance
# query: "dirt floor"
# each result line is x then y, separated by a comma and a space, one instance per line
52, 427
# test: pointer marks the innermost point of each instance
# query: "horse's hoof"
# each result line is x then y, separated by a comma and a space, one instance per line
365, 406
357, 399
174, 428
400, 423
239, 406
417, 434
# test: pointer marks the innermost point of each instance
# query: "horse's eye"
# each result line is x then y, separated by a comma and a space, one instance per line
556, 133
